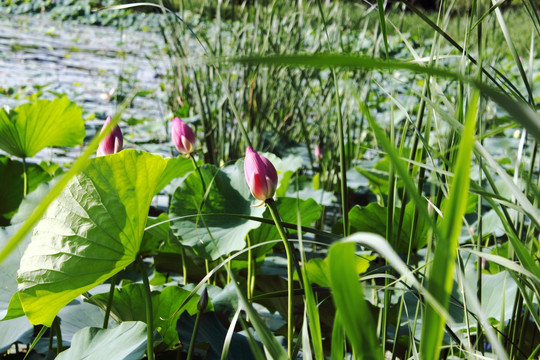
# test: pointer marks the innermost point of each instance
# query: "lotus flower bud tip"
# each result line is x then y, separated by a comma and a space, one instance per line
182, 136
113, 142
261, 176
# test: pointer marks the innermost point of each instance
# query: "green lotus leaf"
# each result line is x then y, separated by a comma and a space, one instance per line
125, 342
217, 234
90, 232
31, 127
372, 218
11, 177
15, 330
10, 306
129, 304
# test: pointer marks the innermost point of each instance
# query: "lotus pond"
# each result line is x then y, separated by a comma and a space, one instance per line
252, 180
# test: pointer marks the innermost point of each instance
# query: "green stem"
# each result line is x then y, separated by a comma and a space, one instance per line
196, 167
58, 332
250, 269
290, 261
207, 267
248, 280
288, 247
184, 267
201, 307
149, 311
194, 335
109, 302
25, 177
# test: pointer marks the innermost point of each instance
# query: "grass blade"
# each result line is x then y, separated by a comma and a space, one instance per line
441, 276
348, 296
382, 19
517, 109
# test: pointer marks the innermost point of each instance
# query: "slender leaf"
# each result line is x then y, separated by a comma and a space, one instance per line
441, 276
348, 297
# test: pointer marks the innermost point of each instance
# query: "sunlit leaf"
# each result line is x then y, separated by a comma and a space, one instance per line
10, 306
176, 167
31, 127
440, 278
348, 296
318, 269
90, 232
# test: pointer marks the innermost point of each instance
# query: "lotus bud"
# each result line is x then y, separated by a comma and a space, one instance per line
113, 142
261, 176
203, 301
318, 152
182, 136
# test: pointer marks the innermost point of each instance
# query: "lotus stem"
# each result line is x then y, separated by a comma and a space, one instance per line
291, 261
25, 177
184, 267
196, 167
109, 302
149, 311
58, 332
201, 306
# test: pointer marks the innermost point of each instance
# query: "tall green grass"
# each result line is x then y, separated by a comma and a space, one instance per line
284, 89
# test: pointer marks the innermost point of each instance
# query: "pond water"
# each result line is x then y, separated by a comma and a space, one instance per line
91, 65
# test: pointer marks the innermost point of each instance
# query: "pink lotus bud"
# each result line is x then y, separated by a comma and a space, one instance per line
113, 142
261, 175
183, 137
318, 152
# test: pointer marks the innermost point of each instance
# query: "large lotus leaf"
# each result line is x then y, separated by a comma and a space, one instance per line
155, 236
8, 272
125, 342
11, 177
318, 269
372, 218
78, 315
90, 232
220, 234
129, 304
15, 330
10, 306
176, 167
31, 127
